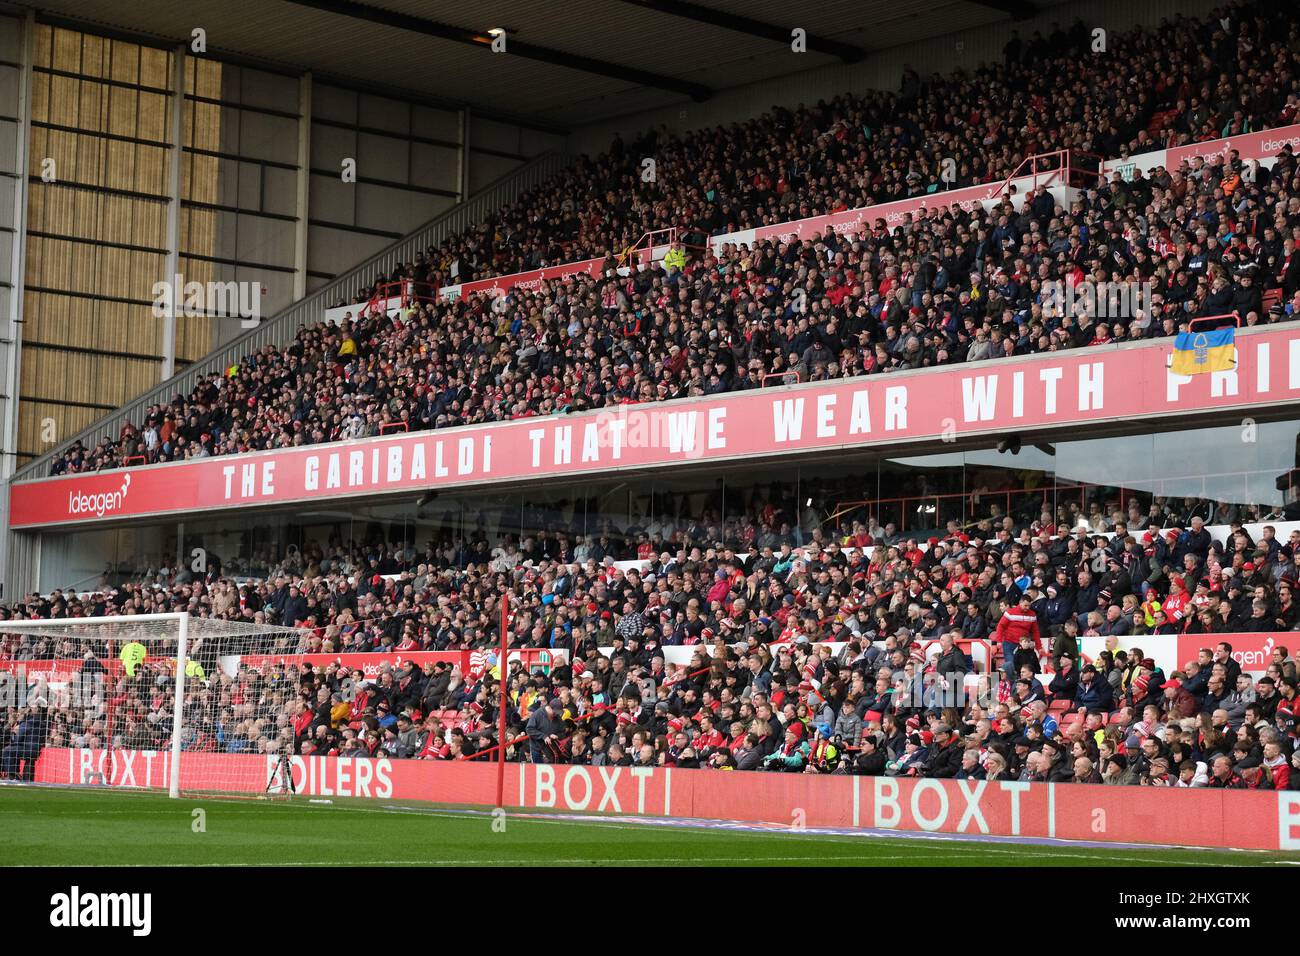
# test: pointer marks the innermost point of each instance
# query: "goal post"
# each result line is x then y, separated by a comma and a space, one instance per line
133, 700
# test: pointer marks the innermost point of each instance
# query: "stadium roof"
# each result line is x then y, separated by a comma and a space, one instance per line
572, 62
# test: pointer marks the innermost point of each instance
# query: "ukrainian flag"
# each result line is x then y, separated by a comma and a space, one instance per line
1212, 351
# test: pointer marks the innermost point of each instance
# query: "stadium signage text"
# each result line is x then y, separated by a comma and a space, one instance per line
1263, 820
1131, 381
1261, 147
99, 503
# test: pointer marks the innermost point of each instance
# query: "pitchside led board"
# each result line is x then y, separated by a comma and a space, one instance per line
1128, 381
1262, 820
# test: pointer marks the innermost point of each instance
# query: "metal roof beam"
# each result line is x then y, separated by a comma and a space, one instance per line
443, 31
768, 31
1016, 9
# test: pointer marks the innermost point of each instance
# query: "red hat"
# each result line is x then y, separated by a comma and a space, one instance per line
676, 724
927, 737
1175, 684
871, 715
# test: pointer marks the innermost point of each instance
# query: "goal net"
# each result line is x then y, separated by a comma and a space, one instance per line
162, 701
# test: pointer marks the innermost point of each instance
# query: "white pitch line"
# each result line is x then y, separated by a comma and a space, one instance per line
704, 860
943, 843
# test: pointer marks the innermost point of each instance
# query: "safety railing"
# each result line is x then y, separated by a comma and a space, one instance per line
279, 329
1041, 169
648, 240
404, 293
786, 377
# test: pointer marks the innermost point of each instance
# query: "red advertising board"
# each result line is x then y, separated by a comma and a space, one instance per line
894, 213
471, 663
531, 280
1219, 818
1254, 652
1055, 389
53, 670
1262, 145
370, 665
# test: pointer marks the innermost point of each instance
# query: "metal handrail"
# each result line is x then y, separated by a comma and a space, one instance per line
280, 328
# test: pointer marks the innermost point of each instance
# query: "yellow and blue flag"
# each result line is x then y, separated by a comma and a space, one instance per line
1212, 351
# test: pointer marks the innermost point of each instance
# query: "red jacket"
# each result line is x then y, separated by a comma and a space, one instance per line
1015, 624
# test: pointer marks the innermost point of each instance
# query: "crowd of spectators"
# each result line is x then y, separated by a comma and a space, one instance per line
1232, 72
813, 650
1211, 237
840, 654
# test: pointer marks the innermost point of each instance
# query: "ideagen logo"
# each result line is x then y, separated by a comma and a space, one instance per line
76, 909
1275, 145
100, 504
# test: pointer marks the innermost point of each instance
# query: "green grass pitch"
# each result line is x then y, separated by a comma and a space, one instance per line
58, 827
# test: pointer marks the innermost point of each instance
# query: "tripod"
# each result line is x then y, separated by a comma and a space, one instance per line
284, 772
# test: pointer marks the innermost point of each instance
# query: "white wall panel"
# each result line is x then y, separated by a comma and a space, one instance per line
382, 157
489, 134
263, 136
434, 167
331, 145
379, 113
484, 169
332, 200
434, 123
263, 90
331, 102
334, 251
278, 190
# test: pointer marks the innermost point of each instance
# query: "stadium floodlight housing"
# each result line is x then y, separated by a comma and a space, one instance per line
46, 667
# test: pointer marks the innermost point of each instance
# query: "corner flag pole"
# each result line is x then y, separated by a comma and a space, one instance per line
502, 699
